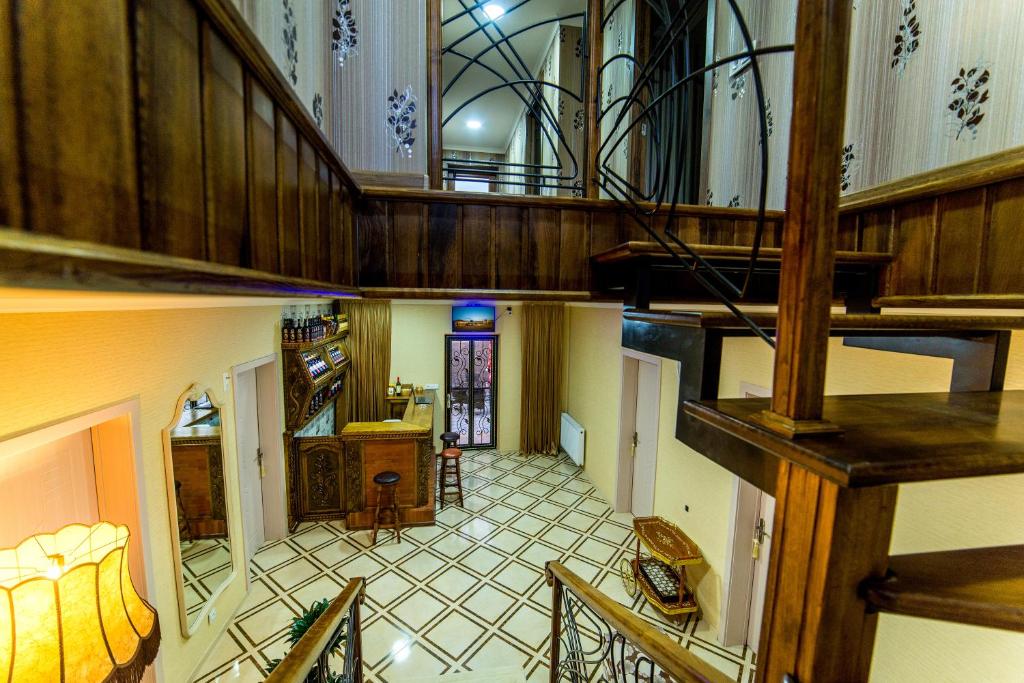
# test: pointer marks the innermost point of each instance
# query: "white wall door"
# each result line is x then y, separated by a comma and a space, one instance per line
761, 544
645, 452
247, 429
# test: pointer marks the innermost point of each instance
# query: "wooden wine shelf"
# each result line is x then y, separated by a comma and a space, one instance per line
310, 346
980, 586
299, 384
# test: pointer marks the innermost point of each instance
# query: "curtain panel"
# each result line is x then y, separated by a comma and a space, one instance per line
543, 342
369, 335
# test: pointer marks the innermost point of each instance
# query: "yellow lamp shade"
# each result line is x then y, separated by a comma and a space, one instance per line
69, 610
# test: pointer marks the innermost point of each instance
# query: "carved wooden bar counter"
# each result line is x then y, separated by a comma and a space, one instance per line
406, 447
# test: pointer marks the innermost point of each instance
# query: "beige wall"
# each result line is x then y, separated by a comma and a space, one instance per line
417, 356
929, 516
97, 359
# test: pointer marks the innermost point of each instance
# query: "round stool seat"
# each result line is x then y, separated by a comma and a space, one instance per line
386, 478
450, 438
451, 453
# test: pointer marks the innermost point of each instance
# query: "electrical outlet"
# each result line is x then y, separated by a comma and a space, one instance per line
227, 381
213, 615
432, 386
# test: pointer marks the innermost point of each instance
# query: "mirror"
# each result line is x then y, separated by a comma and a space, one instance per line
513, 114
194, 466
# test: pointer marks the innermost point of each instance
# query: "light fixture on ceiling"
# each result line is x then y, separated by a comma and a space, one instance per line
474, 124
494, 11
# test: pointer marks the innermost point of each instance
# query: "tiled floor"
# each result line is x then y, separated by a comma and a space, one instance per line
466, 594
206, 564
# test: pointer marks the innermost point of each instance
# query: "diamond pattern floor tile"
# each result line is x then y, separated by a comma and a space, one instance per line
465, 595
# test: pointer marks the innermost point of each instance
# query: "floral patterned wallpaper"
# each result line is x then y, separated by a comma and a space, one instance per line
930, 84
351, 63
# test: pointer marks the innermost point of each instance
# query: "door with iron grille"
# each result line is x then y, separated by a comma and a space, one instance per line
471, 387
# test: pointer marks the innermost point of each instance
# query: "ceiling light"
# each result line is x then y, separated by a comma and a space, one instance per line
494, 11
473, 124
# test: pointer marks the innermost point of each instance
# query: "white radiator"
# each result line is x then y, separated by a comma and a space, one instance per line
571, 438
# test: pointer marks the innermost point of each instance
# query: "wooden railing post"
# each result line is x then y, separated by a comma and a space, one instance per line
812, 218
592, 96
556, 623
434, 86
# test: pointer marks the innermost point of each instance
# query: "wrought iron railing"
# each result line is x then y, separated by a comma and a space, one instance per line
653, 106
594, 638
311, 658
555, 163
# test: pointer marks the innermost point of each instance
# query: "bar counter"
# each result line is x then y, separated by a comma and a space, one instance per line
405, 447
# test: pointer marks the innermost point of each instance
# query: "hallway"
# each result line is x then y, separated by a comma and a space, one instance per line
466, 594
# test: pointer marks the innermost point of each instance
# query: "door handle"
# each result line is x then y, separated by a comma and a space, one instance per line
259, 462
636, 440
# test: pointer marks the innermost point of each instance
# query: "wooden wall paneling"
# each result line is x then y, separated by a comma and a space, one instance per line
1001, 271
574, 252
348, 221
444, 245
605, 231
324, 222
224, 151
309, 237
74, 67
170, 120
540, 249
288, 233
478, 247
262, 169
961, 220
846, 238
372, 244
10, 164
686, 228
407, 235
743, 233
508, 247
913, 248
875, 228
718, 231
338, 252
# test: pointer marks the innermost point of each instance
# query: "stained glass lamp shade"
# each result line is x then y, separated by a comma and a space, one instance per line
69, 610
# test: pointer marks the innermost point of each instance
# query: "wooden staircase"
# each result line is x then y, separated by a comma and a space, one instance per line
974, 430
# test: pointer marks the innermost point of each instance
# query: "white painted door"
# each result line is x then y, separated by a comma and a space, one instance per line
761, 544
249, 460
645, 440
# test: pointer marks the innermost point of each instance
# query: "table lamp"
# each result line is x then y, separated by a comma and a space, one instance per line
69, 610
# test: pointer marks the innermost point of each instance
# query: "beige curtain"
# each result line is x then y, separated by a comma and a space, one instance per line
369, 339
543, 357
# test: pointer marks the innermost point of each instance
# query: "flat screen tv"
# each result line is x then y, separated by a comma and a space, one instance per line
472, 318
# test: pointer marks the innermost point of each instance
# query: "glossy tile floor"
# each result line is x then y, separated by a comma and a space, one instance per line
465, 595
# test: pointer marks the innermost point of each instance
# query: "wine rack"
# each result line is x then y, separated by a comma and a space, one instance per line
314, 373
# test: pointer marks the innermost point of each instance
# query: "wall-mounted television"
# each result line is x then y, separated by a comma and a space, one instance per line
472, 318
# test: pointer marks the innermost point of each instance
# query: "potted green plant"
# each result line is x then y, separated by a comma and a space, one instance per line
298, 629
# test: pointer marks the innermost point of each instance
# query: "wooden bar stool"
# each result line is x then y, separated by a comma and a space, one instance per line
387, 481
450, 466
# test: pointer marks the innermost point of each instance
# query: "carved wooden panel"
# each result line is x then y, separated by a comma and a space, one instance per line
170, 128
309, 237
321, 475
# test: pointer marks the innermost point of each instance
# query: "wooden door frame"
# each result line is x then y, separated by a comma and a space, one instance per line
494, 383
268, 406
628, 400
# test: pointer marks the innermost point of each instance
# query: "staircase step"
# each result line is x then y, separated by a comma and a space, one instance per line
628, 251
887, 438
841, 324
980, 586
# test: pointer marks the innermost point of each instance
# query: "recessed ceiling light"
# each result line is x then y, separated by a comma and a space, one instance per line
494, 11
474, 124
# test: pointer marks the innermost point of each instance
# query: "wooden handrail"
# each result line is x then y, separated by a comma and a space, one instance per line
668, 655
301, 659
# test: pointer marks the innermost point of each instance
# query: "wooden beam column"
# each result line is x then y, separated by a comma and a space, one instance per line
434, 85
828, 539
592, 95
812, 219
